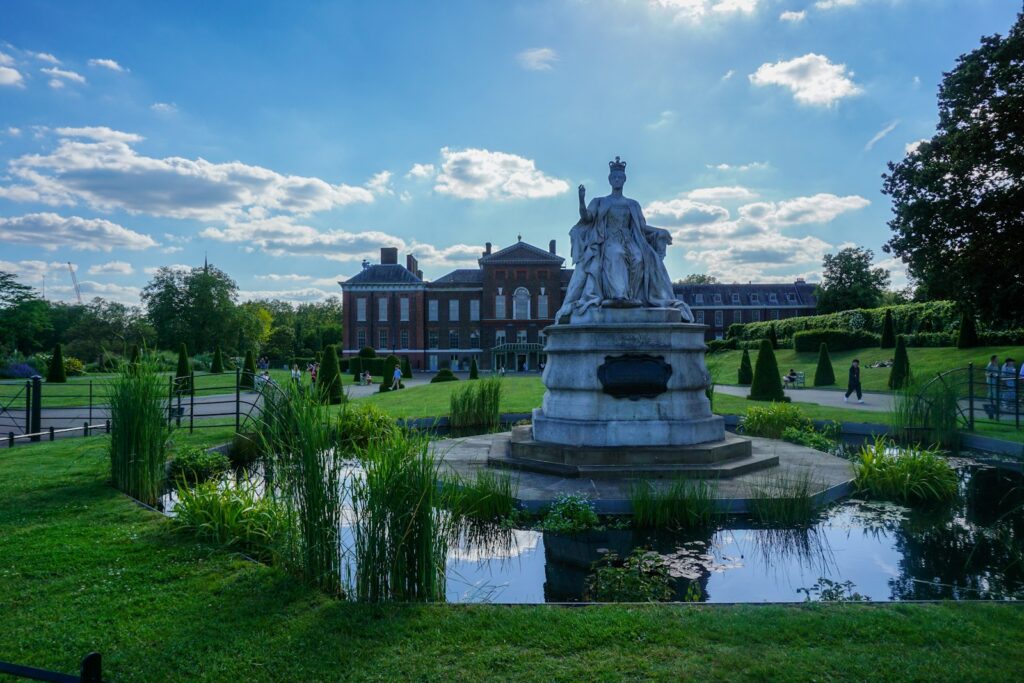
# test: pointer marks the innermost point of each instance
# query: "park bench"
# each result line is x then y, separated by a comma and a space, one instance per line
797, 383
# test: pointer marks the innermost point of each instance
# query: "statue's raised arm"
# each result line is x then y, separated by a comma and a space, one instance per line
585, 216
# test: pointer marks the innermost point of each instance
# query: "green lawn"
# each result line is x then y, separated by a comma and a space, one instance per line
519, 395
83, 568
923, 362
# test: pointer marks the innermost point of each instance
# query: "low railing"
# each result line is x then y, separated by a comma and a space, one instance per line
980, 398
91, 671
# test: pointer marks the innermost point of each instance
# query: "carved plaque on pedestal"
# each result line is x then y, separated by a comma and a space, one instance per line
634, 376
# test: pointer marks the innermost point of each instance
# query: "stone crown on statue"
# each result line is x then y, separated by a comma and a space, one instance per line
617, 165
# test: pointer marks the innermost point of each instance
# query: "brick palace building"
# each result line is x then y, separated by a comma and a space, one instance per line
497, 312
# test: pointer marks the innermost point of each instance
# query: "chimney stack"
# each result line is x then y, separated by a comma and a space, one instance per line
487, 249
411, 264
551, 247
389, 256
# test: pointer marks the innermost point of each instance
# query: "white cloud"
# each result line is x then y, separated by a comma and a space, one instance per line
752, 166
729, 74
106, 173
812, 79
881, 134
537, 59
9, 76
664, 119
291, 277
13, 132
912, 147
172, 250
71, 232
6, 60
767, 257
819, 208
682, 212
107, 64
47, 57
303, 295
482, 174
793, 16
328, 281
421, 171
164, 107
32, 272
380, 183
112, 268
63, 74
694, 11
897, 270
717, 194
55, 83
125, 294
151, 270
833, 4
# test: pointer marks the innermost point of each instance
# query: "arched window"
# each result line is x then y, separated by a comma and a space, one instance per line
521, 304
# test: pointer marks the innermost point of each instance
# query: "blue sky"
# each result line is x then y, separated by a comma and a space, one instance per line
288, 141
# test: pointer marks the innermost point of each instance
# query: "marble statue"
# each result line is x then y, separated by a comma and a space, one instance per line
618, 257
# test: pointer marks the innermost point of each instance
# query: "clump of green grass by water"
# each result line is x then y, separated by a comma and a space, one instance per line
779, 499
909, 474
488, 496
138, 430
681, 504
474, 408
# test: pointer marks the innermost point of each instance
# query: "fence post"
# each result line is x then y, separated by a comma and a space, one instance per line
108, 425
28, 407
238, 398
970, 397
10, 439
92, 668
191, 400
1016, 400
52, 436
37, 406
85, 429
170, 399
90, 401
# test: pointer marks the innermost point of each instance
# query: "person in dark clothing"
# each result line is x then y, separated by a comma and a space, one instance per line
854, 382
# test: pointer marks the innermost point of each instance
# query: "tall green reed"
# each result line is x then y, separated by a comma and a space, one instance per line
778, 499
680, 504
906, 474
138, 430
489, 496
928, 411
401, 532
474, 409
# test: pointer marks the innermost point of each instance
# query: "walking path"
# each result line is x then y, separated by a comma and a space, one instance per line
873, 402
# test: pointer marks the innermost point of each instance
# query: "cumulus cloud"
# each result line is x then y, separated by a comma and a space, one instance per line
13, 132
46, 57
752, 166
729, 74
107, 64
61, 75
105, 172
291, 277
482, 174
537, 59
717, 194
761, 257
833, 4
112, 268
299, 296
421, 171
71, 232
380, 183
8, 74
881, 134
819, 208
164, 107
680, 212
31, 271
125, 294
694, 11
812, 79
793, 16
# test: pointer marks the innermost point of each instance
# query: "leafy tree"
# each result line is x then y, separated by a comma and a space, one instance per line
165, 302
899, 374
767, 384
210, 296
102, 326
13, 292
280, 344
406, 368
967, 337
745, 375
474, 372
888, 331
824, 375
248, 378
254, 325
183, 375
698, 279
217, 366
956, 198
367, 352
848, 281
55, 374
328, 379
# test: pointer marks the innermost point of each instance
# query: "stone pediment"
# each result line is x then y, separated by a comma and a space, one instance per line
521, 252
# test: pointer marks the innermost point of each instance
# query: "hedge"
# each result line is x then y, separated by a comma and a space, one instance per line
938, 316
1001, 338
837, 340
444, 375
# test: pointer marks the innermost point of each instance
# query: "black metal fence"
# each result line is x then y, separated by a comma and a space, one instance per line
91, 671
983, 396
33, 410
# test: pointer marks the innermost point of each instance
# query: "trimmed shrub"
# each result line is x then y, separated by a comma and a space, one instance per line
73, 367
248, 379
930, 339
474, 372
888, 333
837, 340
716, 345
444, 375
772, 420
355, 366
824, 375
406, 368
772, 336
767, 384
745, 375
367, 352
968, 335
56, 374
899, 375
328, 379
183, 375
942, 316
217, 366
1001, 338
390, 363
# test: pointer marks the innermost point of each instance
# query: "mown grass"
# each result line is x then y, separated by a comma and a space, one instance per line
518, 395
82, 568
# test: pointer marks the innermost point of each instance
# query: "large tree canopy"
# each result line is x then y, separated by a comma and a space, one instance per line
848, 281
958, 199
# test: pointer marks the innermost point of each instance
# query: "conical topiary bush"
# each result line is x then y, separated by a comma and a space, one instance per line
888, 332
767, 384
474, 372
248, 379
745, 375
773, 336
406, 368
355, 366
328, 379
899, 375
55, 373
183, 375
967, 337
390, 363
217, 366
824, 375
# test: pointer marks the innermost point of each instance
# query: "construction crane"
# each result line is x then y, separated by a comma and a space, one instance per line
74, 280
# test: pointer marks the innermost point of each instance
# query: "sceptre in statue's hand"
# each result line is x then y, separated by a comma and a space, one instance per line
584, 216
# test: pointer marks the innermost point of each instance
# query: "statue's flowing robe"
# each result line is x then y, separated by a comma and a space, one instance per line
588, 237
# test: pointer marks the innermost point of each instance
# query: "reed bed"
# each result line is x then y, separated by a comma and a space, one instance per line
928, 412
681, 504
909, 474
474, 409
778, 499
488, 497
138, 430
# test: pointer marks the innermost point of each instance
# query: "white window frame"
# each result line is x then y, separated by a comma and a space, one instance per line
500, 338
474, 310
403, 309
522, 337
403, 339
383, 338
698, 298
499, 306
361, 310
699, 317
453, 310
519, 297
360, 338
542, 306
453, 336
719, 319
432, 307
382, 310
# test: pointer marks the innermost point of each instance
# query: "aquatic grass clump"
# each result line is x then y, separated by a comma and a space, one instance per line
474, 409
681, 504
309, 481
771, 421
196, 464
488, 496
928, 412
138, 430
811, 438
904, 474
401, 532
359, 424
778, 499
570, 513
234, 515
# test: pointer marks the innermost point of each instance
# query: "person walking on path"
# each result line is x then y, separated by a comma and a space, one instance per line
396, 379
992, 372
296, 374
854, 383
1009, 395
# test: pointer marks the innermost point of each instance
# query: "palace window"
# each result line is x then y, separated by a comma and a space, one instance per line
360, 338
698, 298
521, 304
542, 306
499, 337
474, 339
775, 314
361, 310
737, 316
773, 298
755, 298
404, 337
718, 318
453, 339
699, 317
382, 337
432, 339
453, 310
736, 299
718, 298
432, 310
499, 306
382, 310
474, 309
403, 309
755, 316
521, 336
